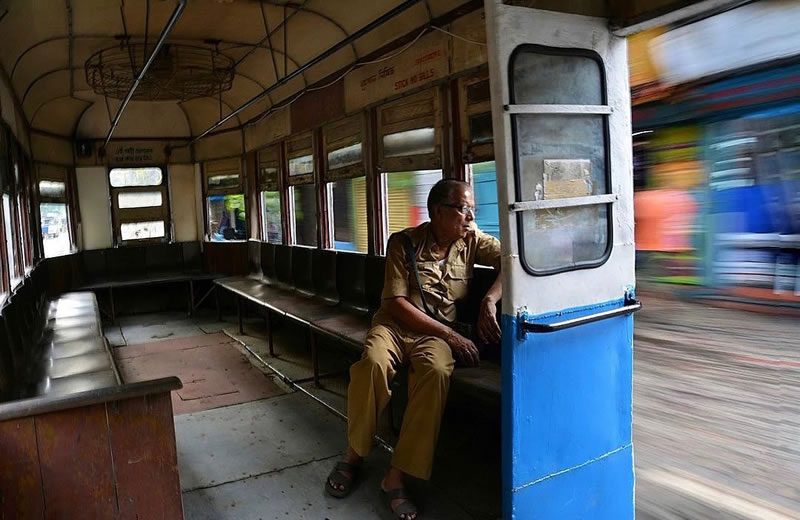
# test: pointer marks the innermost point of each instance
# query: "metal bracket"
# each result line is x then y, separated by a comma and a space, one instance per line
630, 306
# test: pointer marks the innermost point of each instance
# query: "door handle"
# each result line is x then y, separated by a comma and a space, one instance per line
630, 307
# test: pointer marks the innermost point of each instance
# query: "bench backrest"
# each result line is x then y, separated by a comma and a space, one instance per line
268, 262
324, 275
254, 258
302, 271
283, 264
126, 262
350, 269
163, 258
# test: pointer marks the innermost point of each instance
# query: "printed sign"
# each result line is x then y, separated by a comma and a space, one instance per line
426, 61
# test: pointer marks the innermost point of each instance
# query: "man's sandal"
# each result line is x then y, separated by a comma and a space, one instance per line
405, 508
338, 477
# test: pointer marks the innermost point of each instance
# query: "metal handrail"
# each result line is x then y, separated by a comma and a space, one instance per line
164, 34
630, 307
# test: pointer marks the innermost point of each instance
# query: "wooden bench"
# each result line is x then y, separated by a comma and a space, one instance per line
141, 266
74, 439
335, 294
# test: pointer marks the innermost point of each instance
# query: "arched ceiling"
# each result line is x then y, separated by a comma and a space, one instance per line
44, 45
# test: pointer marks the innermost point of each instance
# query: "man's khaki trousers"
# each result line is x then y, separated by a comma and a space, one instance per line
431, 364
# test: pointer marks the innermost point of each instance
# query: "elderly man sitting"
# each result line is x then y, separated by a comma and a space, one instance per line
407, 329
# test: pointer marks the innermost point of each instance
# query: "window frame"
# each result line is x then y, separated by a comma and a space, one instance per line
120, 216
474, 153
431, 119
207, 172
571, 52
264, 185
336, 136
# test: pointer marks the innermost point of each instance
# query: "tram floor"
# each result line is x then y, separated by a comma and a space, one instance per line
716, 407
268, 458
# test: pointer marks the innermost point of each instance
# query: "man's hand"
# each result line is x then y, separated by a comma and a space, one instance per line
464, 350
488, 328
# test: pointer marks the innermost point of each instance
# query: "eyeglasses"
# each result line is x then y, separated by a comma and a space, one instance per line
463, 209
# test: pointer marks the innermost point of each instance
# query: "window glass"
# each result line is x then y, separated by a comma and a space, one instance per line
52, 189
545, 79
21, 231
55, 233
271, 216
407, 197
305, 214
484, 182
223, 181
561, 156
139, 199
565, 237
349, 214
411, 142
127, 177
346, 156
301, 165
226, 217
12, 269
142, 230
480, 129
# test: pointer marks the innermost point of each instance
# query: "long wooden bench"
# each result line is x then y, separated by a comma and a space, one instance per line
76, 443
140, 266
335, 294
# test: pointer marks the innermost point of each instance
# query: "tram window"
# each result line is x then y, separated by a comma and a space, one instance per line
129, 177
227, 217
269, 173
55, 234
142, 230
12, 265
271, 216
139, 199
407, 198
411, 142
348, 203
561, 79
300, 154
347, 156
304, 206
52, 190
561, 156
223, 181
346, 187
139, 203
484, 183
53, 210
480, 129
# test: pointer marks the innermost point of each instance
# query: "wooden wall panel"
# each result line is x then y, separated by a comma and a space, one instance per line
318, 107
147, 472
76, 463
226, 257
20, 479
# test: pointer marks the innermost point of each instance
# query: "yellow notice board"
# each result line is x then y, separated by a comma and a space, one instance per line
424, 62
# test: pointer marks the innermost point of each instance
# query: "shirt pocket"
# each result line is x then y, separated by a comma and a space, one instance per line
459, 276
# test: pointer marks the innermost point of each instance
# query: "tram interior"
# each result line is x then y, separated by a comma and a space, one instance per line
196, 201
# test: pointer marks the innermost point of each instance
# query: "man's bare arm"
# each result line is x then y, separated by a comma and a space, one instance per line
488, 328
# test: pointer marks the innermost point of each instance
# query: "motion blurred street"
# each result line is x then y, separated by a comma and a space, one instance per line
716, 423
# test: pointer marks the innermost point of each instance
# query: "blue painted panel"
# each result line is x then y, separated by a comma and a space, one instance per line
602, 490
566, 404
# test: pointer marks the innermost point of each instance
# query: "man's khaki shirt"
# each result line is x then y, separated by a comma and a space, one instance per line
443, 285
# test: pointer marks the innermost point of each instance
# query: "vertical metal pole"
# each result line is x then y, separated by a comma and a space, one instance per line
239, 313
269, 334
314, 357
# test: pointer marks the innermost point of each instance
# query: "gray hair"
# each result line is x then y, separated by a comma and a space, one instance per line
441, 192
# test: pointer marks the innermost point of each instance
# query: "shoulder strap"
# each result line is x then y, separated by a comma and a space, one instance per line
411, 258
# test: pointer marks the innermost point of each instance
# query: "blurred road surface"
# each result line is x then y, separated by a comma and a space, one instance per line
716, 413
